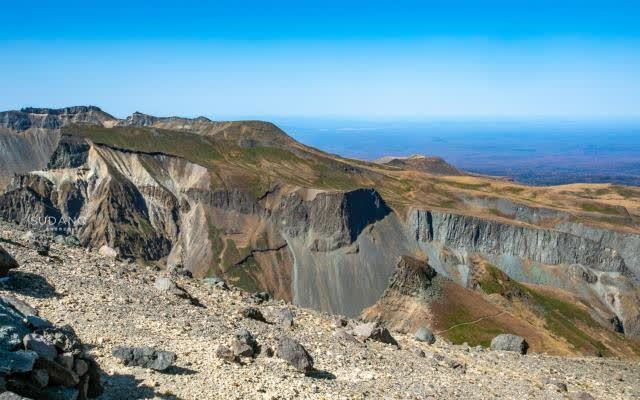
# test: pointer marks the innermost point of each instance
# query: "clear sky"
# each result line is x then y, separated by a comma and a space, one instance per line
362, 59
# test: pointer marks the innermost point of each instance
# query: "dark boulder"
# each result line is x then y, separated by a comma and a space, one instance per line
295, 354
252, 313
6, 262
145, 357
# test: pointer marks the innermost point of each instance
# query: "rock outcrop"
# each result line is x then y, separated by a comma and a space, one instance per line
7, 262
38, 362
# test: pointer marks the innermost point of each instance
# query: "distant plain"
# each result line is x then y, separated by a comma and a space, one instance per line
549, 152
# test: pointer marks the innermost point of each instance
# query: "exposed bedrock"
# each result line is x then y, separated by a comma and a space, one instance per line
490, 237
586, 267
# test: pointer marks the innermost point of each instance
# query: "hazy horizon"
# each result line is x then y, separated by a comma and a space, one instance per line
393, 60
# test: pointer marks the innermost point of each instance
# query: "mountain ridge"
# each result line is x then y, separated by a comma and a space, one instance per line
246, 201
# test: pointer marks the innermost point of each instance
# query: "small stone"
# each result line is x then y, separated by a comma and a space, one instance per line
295, 354
217, 282
338, 322
226, 354
424, 334
72, 240
40, 245
268, 352
108, 252
252, 313
556, 384
508, 342
241, 349
343, 335
419, 353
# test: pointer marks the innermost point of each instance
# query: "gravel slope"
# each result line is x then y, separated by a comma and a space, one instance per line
112, 303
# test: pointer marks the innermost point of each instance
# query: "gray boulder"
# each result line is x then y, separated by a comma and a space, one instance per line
424, 334
509, 342
6, 262
58, 374
244, 344
285, 318
13, 362
40, 345
217, 282
64, 338
19, 305
145, 357
12, 327
295, 354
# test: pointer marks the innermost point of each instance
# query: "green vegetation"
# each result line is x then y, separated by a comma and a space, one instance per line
476, 334
600, 208
513, 189
242, 275
561, 317
626, 192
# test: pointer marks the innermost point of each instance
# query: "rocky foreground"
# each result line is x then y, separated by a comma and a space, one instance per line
194, 331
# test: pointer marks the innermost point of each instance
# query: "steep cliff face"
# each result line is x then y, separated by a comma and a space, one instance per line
546, 246
529, 254
28, 137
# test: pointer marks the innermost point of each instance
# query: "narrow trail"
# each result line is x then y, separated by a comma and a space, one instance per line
471, 322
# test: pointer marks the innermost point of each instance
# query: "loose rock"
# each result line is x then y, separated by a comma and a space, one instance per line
145, 357
252, 313
107, 252
7, 262
295, 354
374, 331
508, 342
424, 334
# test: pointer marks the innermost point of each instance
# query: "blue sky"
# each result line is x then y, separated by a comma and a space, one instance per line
561, 59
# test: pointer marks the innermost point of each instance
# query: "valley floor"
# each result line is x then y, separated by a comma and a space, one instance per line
111, 303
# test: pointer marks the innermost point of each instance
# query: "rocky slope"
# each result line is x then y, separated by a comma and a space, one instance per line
244, 201
113, 303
